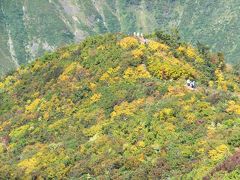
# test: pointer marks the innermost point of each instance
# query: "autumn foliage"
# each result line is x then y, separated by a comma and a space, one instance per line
112, 107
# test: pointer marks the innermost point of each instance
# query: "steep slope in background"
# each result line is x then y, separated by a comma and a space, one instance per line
114, 107
6, 58
36, 26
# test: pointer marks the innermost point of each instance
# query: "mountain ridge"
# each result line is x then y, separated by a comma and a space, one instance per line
114, 107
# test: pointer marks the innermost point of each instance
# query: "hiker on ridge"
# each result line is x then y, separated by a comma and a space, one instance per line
193, 84
188, 82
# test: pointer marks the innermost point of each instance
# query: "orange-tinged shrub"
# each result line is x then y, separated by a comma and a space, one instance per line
1, 85
233, 107
170, 68
153, 45
111, 75
96, 97
126, 108
219, 152
132, 74
137, 53
128, 42
222, 84
32, 107
191, 53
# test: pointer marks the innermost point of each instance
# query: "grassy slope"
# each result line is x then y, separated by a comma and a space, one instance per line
111, 107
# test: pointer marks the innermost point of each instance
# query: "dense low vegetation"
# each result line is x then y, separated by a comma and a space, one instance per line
112, 107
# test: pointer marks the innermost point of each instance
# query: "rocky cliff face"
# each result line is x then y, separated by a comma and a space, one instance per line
30, 27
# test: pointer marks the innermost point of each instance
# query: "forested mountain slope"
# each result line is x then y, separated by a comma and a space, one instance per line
28, 28
114, 107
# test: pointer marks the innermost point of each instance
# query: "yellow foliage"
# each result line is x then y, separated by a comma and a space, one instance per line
94, 130
1, 148
201, 146
45, 105
211, 83
141, 144
126, 108
12, 146
46, 115
191, 53
190, 117
67, 108
164, 114
10, 83
104, 77
37, 65
186, 108
199, 60
180, 91
29, 165
133, 148
57, 124
218, 153
92, 86
65, 55
96, 97
111, 75
53, 104
128, 42
222, 84
153, 45
1, 85
137, 53
139, 72
9, 80
101, 47
35, 95
170, 68
201, 150
169, 126
141, 158
22, 70
63, 77
18, 132
186, 150
167, 111
113, 70
45, 161
202, 142
33, 106
181, 49
211, 130
4, 124
233, 107
69, 70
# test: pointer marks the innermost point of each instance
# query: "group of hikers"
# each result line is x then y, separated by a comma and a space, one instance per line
191, 84
141, 37
137, 34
